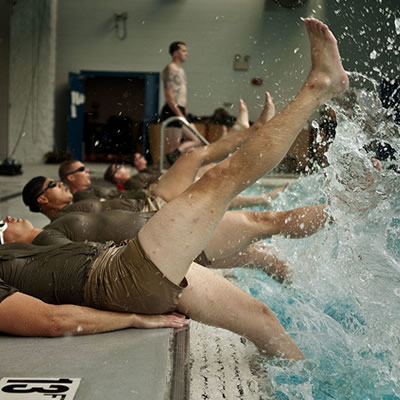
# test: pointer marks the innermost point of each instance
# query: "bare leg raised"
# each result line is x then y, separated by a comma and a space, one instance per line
238, 229
259, 257
215, 301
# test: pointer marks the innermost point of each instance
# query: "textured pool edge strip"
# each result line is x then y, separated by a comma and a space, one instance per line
180, 378
224, 366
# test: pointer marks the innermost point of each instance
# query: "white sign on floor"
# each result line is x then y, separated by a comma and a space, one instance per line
38, 388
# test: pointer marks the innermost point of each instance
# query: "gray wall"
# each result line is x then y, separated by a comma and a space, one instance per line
4, 75
215, 30
32, 72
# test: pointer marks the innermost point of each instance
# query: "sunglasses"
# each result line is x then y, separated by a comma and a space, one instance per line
116, 168
50, 185
80, 169
3, 227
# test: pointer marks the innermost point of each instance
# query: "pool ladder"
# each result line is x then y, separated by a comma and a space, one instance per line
184, 122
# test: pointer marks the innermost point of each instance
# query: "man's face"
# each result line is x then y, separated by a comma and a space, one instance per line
182, 53
139, 161
122, 174
58, 195
79, 180
17, 229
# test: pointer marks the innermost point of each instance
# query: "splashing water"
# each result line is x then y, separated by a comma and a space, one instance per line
343, 309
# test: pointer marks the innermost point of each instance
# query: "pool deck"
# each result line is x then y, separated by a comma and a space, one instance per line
135, 363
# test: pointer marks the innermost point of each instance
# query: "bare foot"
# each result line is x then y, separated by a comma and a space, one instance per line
327, 76
242, 119
268, 111
269, 107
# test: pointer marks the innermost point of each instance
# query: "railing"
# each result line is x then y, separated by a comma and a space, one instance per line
184, 122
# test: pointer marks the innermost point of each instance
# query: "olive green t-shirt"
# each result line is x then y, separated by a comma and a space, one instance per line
96, 206
55, 274
115, 225
142, 179
97, 193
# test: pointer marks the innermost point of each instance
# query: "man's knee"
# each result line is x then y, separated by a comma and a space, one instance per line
264, 217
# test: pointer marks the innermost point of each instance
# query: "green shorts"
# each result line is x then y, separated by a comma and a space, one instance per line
124, 279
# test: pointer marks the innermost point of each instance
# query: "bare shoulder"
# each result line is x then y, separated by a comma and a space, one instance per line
171, 68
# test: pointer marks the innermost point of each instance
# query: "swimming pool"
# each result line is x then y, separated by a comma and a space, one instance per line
343, 308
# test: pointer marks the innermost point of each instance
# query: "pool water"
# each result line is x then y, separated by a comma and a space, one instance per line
343, 308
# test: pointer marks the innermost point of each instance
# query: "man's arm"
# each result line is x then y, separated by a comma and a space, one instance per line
170, 99
24, 315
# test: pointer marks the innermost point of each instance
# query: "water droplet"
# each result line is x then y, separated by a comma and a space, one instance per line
373, 55
397, 25
296, 50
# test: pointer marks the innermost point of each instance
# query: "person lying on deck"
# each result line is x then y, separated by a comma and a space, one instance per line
234, 243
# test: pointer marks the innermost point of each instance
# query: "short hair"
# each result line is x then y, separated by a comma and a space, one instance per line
381, 150
109, 174
222, 117
174, 46
30, 192
64, 168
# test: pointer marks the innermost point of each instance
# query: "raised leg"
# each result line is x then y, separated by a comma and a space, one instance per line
215, 301
257, 256
238, 229
183, 172
263, 199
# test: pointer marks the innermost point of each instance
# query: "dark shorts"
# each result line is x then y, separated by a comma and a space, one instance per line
166, 113
124, 279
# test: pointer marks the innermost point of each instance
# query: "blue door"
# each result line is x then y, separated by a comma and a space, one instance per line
75, 115
76, 112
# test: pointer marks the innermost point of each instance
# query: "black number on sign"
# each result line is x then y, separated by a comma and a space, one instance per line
60, 380
23, 388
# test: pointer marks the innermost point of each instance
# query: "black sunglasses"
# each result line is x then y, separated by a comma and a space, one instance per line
80, 169
3, 227
50, 185
116, 168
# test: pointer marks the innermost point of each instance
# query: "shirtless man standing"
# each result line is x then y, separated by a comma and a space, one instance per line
175, 90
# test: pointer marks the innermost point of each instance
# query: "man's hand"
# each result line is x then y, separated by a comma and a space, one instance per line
173, 320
